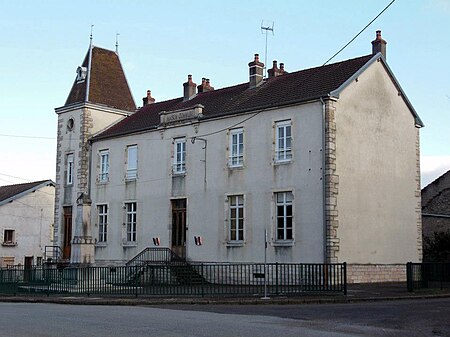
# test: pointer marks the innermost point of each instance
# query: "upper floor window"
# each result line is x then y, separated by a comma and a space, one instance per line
70, 166
236, 151
104, 166
131, 162
131, 220
284, 216
102, 222
9, 238
236, 217
179, 155
283, 141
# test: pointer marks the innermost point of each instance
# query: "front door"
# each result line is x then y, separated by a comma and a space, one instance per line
179, 227
67, 243
28, 266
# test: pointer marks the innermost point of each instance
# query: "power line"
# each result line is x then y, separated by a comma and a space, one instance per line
23, 136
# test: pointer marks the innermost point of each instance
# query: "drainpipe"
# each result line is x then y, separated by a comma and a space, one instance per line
324, 212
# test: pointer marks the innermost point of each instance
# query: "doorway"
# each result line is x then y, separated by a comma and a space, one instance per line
179, 227
27, 271
67, 243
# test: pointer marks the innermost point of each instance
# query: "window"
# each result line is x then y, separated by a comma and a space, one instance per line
102, 222
236, 148
130, 208
179, 155
283, 142
9, 237
236, 217
70, 169
104, 166
284, 216
131, 162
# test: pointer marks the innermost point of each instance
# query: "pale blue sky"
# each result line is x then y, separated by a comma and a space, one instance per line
160, 42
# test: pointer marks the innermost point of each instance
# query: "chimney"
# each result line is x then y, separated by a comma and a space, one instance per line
379, 45
256, 69
148, 99
189, 89
205, 86
275, 71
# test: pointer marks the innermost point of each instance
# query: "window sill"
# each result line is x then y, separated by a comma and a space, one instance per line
235, 167
129, 244
130, 180
102, 182
286, 243
282, 162
232, 244
178, 174
101, 244
9, 244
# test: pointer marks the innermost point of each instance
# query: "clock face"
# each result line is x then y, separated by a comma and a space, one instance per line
70, 124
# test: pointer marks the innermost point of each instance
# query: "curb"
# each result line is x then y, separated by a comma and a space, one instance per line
209, 301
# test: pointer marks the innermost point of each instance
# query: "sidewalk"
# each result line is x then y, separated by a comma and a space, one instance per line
356, 293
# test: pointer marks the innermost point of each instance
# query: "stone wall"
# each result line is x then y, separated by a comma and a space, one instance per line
376, 273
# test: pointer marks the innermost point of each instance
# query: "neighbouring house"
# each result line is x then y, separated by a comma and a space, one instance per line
436, 206
323, 163
26, 222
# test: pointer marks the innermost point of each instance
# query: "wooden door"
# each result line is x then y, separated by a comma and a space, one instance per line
28, 266
179, 227
67, 243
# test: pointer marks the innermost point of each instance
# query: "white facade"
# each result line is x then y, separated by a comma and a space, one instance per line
258, 180
26, 226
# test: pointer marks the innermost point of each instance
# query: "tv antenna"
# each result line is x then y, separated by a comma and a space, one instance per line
266, 27
117, 43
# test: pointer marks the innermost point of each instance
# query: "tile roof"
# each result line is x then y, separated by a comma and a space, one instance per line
276, 91
108, 84
9, 191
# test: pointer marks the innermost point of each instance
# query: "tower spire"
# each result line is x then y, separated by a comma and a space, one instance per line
117, 43
88, 82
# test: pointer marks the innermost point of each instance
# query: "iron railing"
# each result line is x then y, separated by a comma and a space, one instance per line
177, 279
154, 255
427, 275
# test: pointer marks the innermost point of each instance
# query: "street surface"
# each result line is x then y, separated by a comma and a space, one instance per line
390, 318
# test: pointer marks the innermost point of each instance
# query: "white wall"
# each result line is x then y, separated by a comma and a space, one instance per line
376, 164
31, 217
257, 181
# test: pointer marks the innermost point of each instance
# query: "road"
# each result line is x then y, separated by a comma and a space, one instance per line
391, 318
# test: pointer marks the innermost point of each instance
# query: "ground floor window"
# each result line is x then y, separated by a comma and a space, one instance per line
284, 216
131, 220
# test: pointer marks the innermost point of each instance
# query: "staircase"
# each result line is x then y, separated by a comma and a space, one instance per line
184, 273
53, 257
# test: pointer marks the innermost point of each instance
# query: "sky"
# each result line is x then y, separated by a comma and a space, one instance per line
161, 42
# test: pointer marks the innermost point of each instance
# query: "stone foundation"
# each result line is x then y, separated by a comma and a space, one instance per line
376, 273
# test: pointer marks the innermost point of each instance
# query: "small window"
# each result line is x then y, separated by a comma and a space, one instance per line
70, 124
104, 166
284, 216
70, 166
283, 141
9, 238
236, 150
131, 221
39, 260
179, 155
102, 222
236, 217
132, 162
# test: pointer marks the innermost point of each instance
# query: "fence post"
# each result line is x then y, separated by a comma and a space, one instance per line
203, 280
276, 278
345, 277
409, 277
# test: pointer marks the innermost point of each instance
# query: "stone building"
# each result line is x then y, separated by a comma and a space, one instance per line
436, 206
26, 222
323, 162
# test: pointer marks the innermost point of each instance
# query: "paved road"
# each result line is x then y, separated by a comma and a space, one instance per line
400, 318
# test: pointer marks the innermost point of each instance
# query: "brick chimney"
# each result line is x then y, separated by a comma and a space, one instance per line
256, 69
148, 99
205, 86
189, 89
275, 71
379, 45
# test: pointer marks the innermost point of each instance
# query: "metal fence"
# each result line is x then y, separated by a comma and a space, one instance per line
427, 275
177, 279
